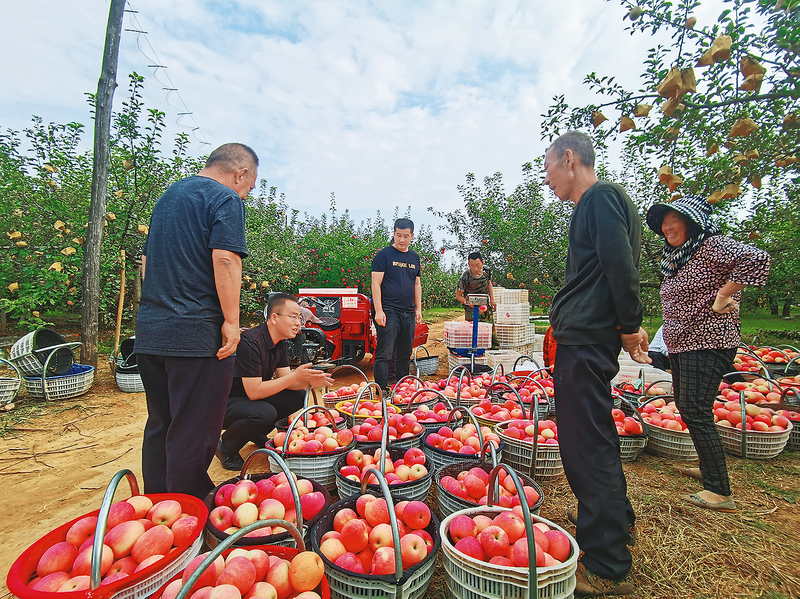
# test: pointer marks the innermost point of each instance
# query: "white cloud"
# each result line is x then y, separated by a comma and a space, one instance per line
384, 103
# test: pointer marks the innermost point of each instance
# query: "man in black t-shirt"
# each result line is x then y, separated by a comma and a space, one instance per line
187, 328
397, 298
264, 389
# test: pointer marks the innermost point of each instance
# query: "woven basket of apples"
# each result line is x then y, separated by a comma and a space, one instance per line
465, 485
632, 433
791, 383
485, 552
377, 546
311, 455
632, 401
668, 436
429, 414
258, 571
404, 432
757, 389
447, 446
750, 431
346, 392
780, 361
145, 540
531, 447
405, 471
248, 498
409, 388
536, 385
506, 402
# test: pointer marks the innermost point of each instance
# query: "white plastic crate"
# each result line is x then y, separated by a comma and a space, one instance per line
506, 357
514, 296
514, 335
458, 334
525, 350
497, 293
454, 360
512, 314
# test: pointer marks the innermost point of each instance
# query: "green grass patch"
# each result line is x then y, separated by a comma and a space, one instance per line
437, 314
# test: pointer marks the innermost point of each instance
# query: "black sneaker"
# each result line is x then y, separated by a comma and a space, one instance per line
234, 462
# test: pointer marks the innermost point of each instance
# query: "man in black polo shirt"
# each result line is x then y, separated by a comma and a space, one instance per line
264, 389
397, 297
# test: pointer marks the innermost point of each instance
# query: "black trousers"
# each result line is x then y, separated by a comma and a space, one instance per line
589, 447
695, 378
248, 420
660, 361
396, 338
185, 406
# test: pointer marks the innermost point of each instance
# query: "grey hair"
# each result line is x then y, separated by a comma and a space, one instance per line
578, 142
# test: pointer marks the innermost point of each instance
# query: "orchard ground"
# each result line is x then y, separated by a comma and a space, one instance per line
56, 465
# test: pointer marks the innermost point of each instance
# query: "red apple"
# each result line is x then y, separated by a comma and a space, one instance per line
306, 571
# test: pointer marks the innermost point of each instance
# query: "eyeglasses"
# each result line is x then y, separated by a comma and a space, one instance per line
295, 317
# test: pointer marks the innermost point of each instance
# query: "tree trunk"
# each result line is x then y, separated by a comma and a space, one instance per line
787, 308
773, 305
97, 208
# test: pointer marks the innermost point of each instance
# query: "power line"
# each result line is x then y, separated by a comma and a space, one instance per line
185, 117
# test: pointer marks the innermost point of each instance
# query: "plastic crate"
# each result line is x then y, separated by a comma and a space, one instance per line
454, 360
512, 314
459, 334
513, 296
514, 335
506, 357
498, 294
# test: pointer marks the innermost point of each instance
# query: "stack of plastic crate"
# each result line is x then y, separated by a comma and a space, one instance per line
514, 330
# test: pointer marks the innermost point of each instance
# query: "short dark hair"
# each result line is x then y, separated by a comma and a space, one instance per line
404, 223
578, 142
277, 301
475, 256
231, 157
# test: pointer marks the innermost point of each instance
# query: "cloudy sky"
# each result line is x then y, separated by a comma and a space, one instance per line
385, 103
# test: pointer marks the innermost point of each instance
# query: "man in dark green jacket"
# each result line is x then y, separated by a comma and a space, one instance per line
595, 314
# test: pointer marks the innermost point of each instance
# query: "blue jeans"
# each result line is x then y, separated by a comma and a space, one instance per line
397, 335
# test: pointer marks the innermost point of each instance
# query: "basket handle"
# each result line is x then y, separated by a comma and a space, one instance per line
217, 551
361, 394
45, 392
533, 576
757, 359
538, 366
13, 366
653, 384
351, 367
435, 392
786, 392
502, 369
387, 495
289, 478
471, 416
300, 416
493, 386
416, 349
410, 377
102, 518
463, 370
638, 414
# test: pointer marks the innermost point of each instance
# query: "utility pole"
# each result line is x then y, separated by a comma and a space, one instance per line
97, 209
